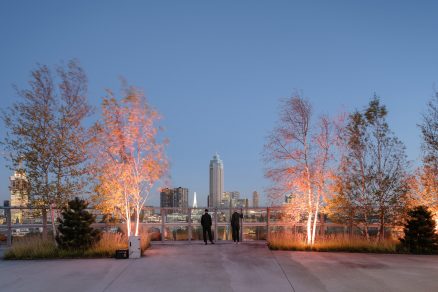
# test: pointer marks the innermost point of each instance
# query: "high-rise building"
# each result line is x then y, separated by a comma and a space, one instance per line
216, 181
19, 187
255, 199
174, 198
241, 203
229, 199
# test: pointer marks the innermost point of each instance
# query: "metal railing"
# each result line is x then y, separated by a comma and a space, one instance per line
171, 224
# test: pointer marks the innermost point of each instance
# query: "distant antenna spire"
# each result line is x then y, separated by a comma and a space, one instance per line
195, 204
20, 162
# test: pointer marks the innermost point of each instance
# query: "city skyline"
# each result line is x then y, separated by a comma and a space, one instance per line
226, 145
216, 76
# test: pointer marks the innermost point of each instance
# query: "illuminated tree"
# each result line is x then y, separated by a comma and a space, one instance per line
298, 157
424, 184
352, 203
429, 129
128, 155
372, 179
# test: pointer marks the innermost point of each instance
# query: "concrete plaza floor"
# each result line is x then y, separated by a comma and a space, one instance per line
225, 267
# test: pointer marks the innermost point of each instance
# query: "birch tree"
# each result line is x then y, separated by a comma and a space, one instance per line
128, 154
298, 158
424, 184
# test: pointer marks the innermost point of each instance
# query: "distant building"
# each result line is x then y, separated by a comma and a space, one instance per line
216, 181
234, 195
19, 188
2, 216
229, 199
241, 203
255, 199
233, 200
195, 203
289, 198
174, 198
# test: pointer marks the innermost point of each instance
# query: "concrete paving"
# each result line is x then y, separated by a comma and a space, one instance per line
225, 267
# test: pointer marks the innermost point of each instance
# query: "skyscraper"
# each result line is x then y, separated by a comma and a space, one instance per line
216, 181
255, 199
19, 188
241, 203
229, 199
174, 198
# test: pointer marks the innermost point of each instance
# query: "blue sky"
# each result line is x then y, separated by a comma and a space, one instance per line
216, 69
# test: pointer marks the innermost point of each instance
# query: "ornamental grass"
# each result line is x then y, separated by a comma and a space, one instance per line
332, 242
35, 247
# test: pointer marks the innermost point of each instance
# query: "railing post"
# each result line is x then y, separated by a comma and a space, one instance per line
8, 221
241, 229
190, 225
163, 218
44, 214
267, 223
215, 224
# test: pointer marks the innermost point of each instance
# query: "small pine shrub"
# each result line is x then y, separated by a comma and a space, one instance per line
419, 232
75, 231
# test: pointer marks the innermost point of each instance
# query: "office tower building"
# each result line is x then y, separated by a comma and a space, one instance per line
19, 188
174, 198
255, 199
241, 203
216, 182
229, 199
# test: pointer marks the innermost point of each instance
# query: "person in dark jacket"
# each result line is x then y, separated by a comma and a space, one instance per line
235, 225
206, 227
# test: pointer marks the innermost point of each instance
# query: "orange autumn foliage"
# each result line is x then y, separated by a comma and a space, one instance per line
128, 155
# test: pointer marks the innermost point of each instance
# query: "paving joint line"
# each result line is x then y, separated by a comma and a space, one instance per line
284, 273
118, 276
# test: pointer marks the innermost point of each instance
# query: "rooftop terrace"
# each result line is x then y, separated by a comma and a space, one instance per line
225, 267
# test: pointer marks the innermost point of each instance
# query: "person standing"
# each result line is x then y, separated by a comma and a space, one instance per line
206, 227
235, 225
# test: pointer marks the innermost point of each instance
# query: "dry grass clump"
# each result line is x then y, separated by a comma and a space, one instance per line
32, 247
145, 240
334, 242
107, 245
35, 247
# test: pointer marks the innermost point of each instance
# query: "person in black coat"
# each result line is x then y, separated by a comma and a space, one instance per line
235, 225
206, 227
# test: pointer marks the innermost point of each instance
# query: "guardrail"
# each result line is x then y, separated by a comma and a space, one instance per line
171, 224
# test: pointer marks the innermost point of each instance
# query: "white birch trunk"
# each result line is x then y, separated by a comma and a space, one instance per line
314, 221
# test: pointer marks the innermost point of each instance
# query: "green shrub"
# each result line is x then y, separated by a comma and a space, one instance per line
419, 232
75, 231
